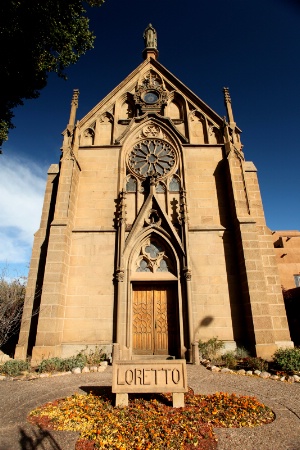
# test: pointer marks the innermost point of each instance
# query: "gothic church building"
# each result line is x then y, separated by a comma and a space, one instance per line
153, 232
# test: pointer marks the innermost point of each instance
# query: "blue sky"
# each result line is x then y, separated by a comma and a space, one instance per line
253, 47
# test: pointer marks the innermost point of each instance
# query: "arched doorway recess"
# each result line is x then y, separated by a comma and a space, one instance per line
155, 325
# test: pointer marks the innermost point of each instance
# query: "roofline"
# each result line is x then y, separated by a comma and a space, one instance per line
170, 75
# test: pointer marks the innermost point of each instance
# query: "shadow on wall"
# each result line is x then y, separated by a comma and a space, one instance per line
205, 322
235, 270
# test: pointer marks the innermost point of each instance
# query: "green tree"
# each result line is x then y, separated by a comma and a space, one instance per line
38, 37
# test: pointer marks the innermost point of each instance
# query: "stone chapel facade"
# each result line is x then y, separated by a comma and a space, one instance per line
153, 232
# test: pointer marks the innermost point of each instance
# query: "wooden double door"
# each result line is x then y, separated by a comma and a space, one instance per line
155, 319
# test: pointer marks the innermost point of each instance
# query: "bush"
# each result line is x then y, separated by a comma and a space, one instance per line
287, 359
51, 365
255, 363
94, 357
211, 348
14, 367
241, 352
62, 364
230, 359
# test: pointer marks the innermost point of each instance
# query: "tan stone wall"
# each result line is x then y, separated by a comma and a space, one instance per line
97, 192
212, 315
200, 165
210, 295
90, 292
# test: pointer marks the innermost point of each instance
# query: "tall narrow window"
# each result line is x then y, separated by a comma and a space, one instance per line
174, 185
131, 184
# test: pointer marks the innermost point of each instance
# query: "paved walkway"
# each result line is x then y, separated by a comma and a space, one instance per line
18, 398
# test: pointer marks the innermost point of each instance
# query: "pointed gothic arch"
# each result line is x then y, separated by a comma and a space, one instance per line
88, 136
154, 297
104, 129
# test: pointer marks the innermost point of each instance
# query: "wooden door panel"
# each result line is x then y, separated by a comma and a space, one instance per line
160, 322
142, 323
154, 322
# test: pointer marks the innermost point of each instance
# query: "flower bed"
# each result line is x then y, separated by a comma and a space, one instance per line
150, 422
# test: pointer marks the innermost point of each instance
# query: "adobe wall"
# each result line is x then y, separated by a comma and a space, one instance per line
287, 251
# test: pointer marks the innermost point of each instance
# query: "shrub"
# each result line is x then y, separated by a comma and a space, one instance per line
51, 365
241, 352
287, 359
230, 359
75, 361
14, 367
255, 363
210, 349
94, 357
62, 364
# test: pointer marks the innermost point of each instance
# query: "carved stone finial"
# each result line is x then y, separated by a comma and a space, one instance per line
121, 209
150, 41
75, 97
231, 133
74, 106
183, 213
226, 94
228, 106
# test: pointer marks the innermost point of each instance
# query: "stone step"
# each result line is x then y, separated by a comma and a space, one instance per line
152, 357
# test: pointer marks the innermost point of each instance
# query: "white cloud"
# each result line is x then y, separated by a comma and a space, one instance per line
22, 186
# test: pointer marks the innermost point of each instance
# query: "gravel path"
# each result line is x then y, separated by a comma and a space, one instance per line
18, 398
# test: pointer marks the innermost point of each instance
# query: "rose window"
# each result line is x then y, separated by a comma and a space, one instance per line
152, 157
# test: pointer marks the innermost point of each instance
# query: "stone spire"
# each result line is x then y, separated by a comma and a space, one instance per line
74, 106
228, 106
150, 41
233, 133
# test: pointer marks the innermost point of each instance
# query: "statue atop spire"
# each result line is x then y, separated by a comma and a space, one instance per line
150, 41
150, 37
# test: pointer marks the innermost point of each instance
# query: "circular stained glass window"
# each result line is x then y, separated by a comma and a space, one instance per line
152, 157
151, 97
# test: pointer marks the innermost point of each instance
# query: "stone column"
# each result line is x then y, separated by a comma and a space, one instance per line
51, 317
257, 296
37, 266
187, 271
269, 264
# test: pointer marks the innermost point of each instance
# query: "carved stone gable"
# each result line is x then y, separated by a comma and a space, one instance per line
151, 95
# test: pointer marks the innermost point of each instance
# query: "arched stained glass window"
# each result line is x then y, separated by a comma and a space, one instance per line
153, 249
153, 258
160, 188
143, 267
131, 185
163, 267
174, 185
